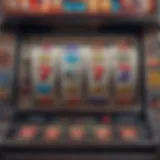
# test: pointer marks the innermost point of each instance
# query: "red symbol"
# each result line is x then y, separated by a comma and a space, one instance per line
45, 100
33, 3
125, 67
45, 71
98, 72
74, 100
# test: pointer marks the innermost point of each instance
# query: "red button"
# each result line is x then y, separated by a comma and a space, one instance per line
98, 72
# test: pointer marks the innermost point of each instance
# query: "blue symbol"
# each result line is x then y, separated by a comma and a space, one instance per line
74, 6
115, 5
124, 76
71, 58
4, 79
44, 89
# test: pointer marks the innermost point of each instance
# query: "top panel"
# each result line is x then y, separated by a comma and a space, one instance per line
48, 12
82, 6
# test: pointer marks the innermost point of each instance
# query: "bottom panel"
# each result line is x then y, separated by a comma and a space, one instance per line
112, 156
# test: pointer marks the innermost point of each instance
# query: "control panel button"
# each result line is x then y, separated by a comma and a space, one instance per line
52, 133
77, 132
103, 133
128, 133
27, 132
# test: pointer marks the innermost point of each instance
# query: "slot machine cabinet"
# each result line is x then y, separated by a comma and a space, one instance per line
71, 95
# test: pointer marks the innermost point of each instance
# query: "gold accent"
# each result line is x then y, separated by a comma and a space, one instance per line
154, 79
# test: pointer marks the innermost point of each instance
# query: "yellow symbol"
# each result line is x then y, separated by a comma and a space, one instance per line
126, 90
98, 90
71, 90
154, 79
98, 58
44, 59
93, 5
105, 5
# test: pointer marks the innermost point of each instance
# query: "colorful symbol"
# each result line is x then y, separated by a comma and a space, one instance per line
116, 5
98, 72
98, 90
124, 76
44, 100
98, 58
44, 59
106, 5
4, 79
71, 58
74, 6
71, 90
154, 79
44, 89
125, 67
73, 100
45, 71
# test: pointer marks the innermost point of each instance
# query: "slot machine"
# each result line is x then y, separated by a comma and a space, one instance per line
82, 95
79, 90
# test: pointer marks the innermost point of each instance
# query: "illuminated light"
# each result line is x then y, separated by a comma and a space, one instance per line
27, 132
103, 133
128, 133
52, 133
74, 6
77, 133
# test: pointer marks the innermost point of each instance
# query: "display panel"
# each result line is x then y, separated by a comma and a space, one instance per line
82, 6
78, 130
80, 72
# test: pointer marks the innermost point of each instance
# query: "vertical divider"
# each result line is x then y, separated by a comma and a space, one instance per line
16, 69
